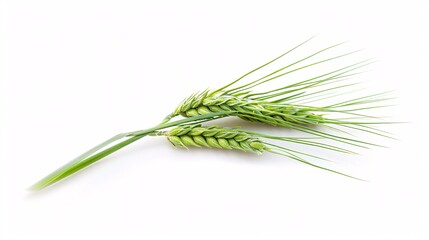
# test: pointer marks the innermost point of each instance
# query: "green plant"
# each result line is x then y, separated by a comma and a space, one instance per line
293, 106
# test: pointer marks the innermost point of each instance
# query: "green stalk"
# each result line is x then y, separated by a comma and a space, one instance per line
96, 153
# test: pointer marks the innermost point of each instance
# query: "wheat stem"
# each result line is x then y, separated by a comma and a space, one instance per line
102, 150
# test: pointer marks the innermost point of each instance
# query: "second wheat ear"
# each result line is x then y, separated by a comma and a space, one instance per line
294, 105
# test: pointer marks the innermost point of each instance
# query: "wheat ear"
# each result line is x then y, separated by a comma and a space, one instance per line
291, 105
247, 141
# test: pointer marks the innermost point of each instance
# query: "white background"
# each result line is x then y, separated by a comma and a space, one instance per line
78, 72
